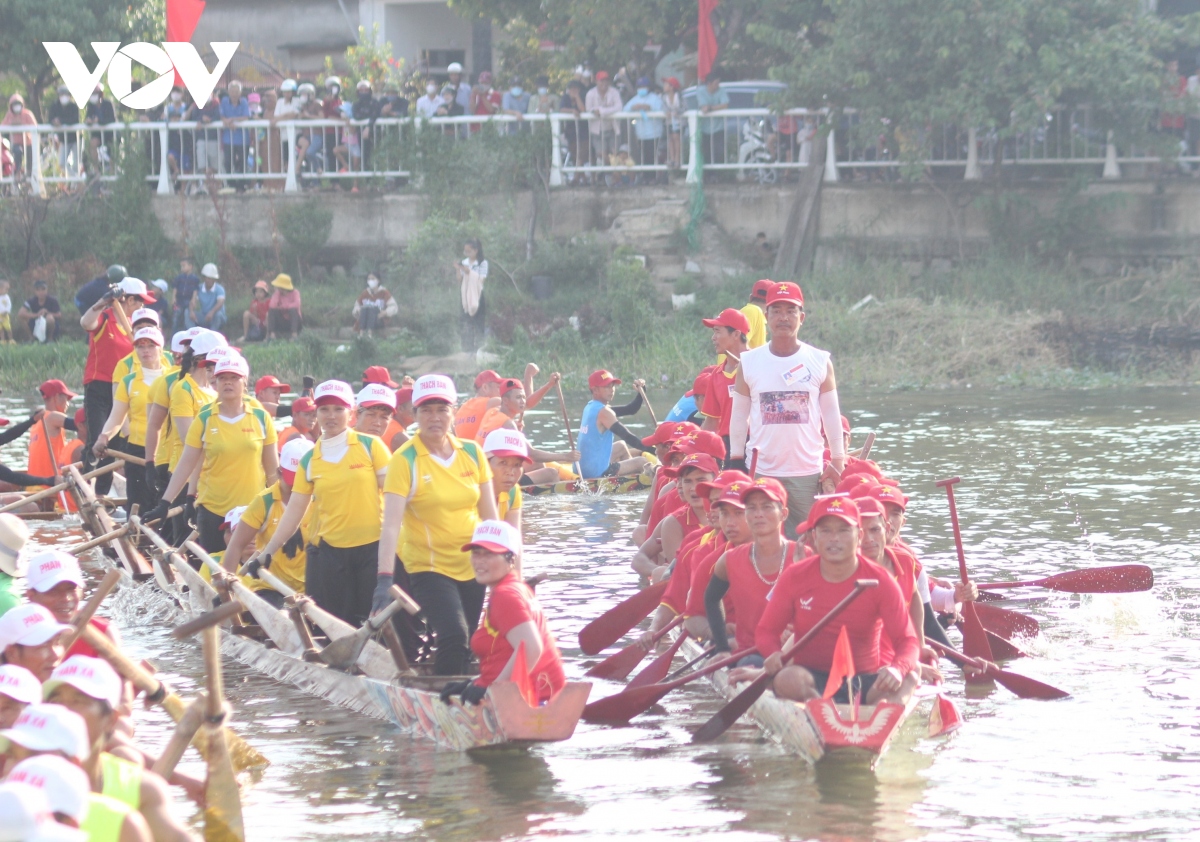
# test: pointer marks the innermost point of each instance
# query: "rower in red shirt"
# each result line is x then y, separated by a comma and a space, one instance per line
657, 553
699, 441
512, 617
724, 494
664, 435
808, 590
748, 573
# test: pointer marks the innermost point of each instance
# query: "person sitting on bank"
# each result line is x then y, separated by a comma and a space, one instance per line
600, 456
373, 305
254, 317
283, 310
207, 307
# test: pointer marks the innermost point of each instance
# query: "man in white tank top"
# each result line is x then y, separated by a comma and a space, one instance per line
784, 394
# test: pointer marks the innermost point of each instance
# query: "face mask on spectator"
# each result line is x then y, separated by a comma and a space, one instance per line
643, 91
543, 91
372, 283
176, 97
64, 99
517, 90
334, 90
431, 89
16, 107
94, 99
256, 110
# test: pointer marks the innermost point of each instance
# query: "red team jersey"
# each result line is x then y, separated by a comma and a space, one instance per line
512, 603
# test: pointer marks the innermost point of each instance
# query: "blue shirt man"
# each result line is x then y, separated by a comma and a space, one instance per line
647, 128
515, 101
709, 98
234, 105
208, 307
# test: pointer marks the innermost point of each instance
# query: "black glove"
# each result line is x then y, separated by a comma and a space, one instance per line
732, 464
258, 562
152, 478
293, 545
158, 513
454, 688
381, 599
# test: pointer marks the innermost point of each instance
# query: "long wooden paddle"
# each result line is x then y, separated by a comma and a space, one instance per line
641, 391
343, 652
1023, 686
62, 497
616, 622
84, 615
657, 669
1120, 578
732, 712
126, 457
54, 489
975, 641
624, 706
184, 733
707, 653
616, 667
222, 806
562, 405
274, 622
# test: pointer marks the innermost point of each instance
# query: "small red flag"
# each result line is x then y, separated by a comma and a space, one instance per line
842, 666
706, 40
944, 717
520, 677
182, 18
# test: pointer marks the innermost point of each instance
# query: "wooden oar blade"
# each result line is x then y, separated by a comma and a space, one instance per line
732, 712
1026, 687
1002, 649
616, 667
1006, 623
222, 804
659, 667
975, 641
624, 706
616, 622
1121, 578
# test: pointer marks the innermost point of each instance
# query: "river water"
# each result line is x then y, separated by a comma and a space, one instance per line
1051, 482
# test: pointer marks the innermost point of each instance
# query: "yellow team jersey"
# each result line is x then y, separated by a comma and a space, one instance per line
130, 363
758, 325
160, 392
187, 399
133, 391
233, 473
264, 513
346, 501
442, 509
509, 501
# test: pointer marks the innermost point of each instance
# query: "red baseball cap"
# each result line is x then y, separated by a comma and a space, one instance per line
773, 488
483, 378
698, 462
845, 424
403, 396
269, 381
304, 404
378, 374
890, 494
511, 383
851, 483
700, 441
80, 417
864, 466
785, 291
869, 507
723, 481
700, 384
603, 377
55, 387
760, 288
733, 494
830, 505
669, 431
730, 318
603, 74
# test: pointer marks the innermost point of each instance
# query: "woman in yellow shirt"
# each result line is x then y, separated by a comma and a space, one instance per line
438, 488
341, 477
130, 402
229, 455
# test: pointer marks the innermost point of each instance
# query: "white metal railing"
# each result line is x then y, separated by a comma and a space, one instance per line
622, 148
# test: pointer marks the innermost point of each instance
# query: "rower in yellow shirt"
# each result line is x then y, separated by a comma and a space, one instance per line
341, 477
158, 419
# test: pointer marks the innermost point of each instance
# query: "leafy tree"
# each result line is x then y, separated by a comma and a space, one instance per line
25, 24
998, 65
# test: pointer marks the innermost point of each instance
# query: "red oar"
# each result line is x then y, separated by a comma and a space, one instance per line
1023, 686
1121, 578
614, 623
659, 667
732, 712
975, 640
1004, 650
624, 706
1005, 623
621, 664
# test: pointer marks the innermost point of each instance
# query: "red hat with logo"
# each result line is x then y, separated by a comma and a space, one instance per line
890, 494
830, 505
760, 288
869, 507
701, 383
483, 378
722, 481
730, 318
404, 396
697, 462
864, 466
509, 384
732, 490
669, 431
269, 381
379, 374
845, 424
700, 441
851, 483
773, 488
785, 291
601, 378
55, 387
305, 404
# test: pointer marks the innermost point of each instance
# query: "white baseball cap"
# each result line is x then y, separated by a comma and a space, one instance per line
29, 625
376, 394
506, 442
207, 340
288, 85
292, 453
45, 727
151, 333
210, 271
64, 784
19, 684
136, 286
161, 284
180, 341
233, 517
14, 534
90, 676
434, 387
143, 314
25, 816
232, 363
454, 67
52, 567
334, 392
497, 536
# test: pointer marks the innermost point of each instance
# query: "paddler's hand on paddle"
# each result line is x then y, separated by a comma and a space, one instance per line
659, 573
888, 680
101, 446
157, 514
773, 663
930, 674
830, 478
744, 675
258, 560
965, 592
381, 599
972, 671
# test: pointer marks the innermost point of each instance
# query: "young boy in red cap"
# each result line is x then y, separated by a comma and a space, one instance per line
599, 454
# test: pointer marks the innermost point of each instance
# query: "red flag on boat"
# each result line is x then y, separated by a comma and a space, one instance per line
706, 40
944, 717
842, 666
182, 17
520, 677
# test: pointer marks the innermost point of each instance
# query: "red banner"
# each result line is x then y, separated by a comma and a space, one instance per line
182, 17
706, 41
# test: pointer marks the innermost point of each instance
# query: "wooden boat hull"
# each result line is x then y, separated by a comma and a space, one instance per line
603, 485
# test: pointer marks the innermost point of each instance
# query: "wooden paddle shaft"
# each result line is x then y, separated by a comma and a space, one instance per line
562, 404
126, 457
214, 704
641, 391
123, 664
95, 542
85, 614
53, 459
209, 619
949, 484
181, 737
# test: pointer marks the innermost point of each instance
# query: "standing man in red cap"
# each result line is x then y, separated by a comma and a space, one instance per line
599, 454
730, 333
784, 392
